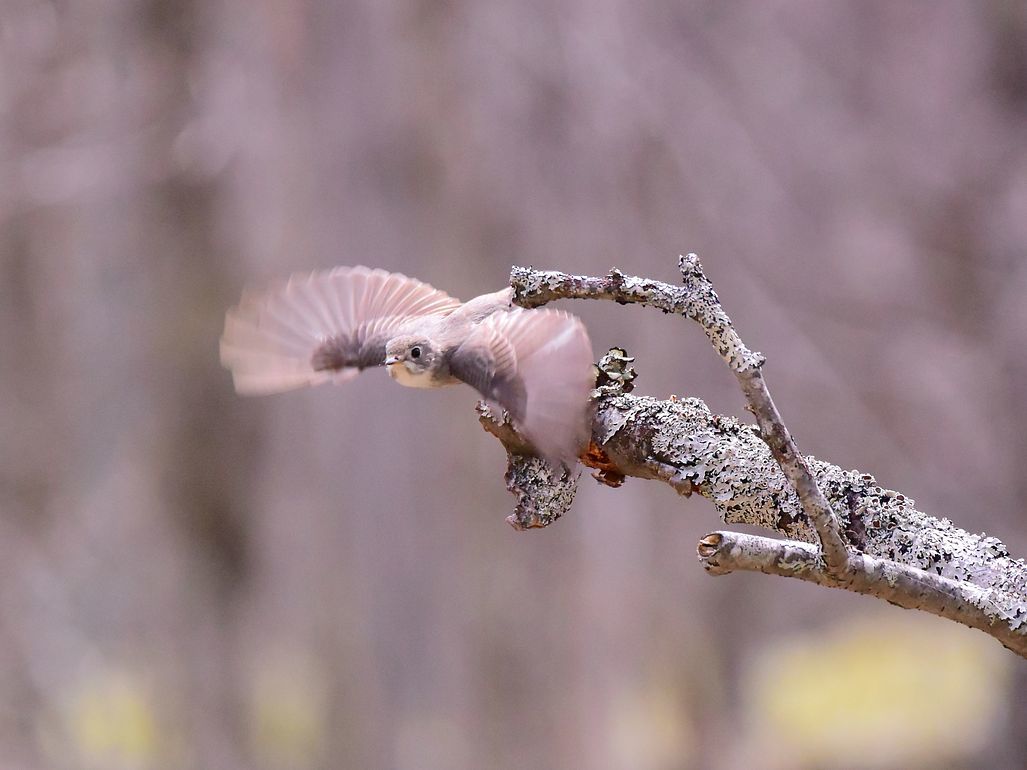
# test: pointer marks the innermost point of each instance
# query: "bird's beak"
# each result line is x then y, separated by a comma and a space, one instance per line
390, 360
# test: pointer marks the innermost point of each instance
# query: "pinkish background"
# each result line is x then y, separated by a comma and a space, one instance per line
189, 579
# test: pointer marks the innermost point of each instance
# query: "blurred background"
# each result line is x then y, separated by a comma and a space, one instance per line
190, 579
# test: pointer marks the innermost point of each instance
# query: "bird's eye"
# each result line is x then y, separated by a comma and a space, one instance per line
415, 352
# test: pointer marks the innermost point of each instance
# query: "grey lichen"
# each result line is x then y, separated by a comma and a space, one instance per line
704, 306
894, 529
871, 540
729, 463
614, 374
696, 299
718, 456
543, 493
721, 553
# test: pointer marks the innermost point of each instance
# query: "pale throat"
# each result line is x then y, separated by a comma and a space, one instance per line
404, 376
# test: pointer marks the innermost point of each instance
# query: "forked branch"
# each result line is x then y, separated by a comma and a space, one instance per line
844, 530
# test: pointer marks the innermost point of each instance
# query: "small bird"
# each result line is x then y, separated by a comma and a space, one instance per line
329, 326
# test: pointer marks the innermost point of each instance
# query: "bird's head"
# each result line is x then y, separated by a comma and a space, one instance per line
409, 357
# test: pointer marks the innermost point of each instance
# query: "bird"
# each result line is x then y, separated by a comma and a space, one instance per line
328, 326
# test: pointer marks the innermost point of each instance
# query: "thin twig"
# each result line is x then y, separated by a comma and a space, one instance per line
723, 552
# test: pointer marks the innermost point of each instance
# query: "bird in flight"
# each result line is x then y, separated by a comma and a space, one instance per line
329, 326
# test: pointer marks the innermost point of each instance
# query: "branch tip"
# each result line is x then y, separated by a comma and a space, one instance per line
709, 545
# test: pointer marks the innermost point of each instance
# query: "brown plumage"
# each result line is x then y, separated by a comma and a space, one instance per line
328, 326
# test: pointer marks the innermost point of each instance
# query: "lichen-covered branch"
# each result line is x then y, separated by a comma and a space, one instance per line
682, 443
893, 550
543, 493
724, 552
696, 299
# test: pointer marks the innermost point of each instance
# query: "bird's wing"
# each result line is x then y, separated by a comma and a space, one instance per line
322, 327
536, 364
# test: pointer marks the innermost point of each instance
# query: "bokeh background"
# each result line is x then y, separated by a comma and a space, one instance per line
323, 579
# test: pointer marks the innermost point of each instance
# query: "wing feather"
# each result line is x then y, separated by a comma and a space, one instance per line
536, 364
321, 327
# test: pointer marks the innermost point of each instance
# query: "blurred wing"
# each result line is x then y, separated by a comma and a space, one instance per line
536, 364
322, 327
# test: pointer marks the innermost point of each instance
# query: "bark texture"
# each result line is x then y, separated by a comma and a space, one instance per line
844, 530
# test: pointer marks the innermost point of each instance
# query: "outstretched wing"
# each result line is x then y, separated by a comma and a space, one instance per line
536, 364
321, 327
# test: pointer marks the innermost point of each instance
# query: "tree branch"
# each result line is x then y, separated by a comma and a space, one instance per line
543, 494
724, 552
697, 300
873, 540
